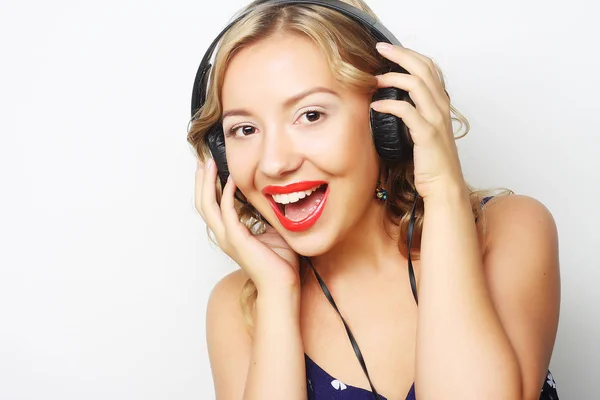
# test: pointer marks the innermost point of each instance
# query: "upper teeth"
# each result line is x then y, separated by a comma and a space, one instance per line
293, 197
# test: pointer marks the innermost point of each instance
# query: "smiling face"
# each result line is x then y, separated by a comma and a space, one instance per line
290, 128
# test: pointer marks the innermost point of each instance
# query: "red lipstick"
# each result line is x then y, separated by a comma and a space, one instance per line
309, 220
292, 187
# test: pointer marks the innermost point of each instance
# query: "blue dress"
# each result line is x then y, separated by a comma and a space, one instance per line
322, 386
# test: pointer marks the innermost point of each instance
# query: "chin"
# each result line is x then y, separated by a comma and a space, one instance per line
323, 237
312, 244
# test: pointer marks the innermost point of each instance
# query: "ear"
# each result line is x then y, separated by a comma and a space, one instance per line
390, 134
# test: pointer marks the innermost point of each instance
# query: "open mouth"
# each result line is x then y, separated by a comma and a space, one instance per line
300, 209
299, 205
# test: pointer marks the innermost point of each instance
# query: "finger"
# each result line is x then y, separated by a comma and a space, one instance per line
419, 93
198, 188
441, 94
417, 65
409, 61
421, 131
273, 241
209, 206
234, 229
428, 62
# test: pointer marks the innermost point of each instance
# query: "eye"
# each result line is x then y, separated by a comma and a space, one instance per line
312, 115
241, 130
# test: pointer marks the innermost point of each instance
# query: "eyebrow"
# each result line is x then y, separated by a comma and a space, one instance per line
288, 103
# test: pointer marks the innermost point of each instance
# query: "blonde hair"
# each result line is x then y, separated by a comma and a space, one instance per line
350, 51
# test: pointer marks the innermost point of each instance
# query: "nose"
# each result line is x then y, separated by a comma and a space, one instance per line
279, 155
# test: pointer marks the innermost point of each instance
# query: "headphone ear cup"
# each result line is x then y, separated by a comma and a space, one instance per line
390, 135
215, 140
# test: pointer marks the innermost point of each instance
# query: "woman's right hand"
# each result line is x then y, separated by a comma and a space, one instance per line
266, 258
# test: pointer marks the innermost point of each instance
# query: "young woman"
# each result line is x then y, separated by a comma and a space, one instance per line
324, 229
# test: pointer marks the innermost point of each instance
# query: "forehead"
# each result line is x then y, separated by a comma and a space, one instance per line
276, 68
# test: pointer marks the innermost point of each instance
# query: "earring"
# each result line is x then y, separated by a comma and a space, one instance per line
380, 193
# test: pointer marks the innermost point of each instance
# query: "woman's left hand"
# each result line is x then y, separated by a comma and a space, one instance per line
437, 166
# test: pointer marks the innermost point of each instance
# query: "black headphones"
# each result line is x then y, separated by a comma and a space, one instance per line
390, 136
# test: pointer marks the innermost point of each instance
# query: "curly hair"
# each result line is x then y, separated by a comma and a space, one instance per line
350, 51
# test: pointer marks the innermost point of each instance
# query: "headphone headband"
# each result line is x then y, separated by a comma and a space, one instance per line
377, 29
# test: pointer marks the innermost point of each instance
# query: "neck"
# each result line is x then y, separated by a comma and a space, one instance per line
368, 250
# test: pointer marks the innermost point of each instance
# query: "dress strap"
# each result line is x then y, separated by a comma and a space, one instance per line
482, 203
357, 351
485, 200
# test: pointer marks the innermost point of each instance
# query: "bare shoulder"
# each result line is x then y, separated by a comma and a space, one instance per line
227, 336
521, 246
227, 291
521, 265
516, 217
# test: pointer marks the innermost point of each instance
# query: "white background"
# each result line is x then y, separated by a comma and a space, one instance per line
105, 268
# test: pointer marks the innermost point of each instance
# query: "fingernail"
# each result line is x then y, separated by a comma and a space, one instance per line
376, 105
383, 46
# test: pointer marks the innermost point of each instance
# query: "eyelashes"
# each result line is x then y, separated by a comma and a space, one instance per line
314, 112
244, 129
312, 116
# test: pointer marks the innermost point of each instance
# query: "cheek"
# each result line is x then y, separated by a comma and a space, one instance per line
241, 166
350, 148
360, 143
